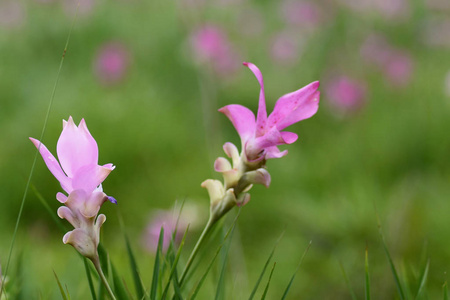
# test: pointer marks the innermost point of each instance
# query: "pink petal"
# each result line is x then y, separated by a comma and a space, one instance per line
289, 137
242, 118
76, 147
89, 177
92, 206
296, 106
61, 197
53, 166
274, 152
261, 118
65, 213
222, 165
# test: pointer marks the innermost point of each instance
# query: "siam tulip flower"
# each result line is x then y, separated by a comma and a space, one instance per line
111, 63
260, 137
346, 94
80, 177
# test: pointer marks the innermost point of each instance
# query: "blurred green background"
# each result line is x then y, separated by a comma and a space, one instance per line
149, 76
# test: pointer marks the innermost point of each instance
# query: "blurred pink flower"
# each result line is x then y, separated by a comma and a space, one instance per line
399, 68
260, 138
302, 13
168, 220
436, 32
284, 48
111, 63
85, 7
345, 94
388, 9
211, 45
396, 64
12, 14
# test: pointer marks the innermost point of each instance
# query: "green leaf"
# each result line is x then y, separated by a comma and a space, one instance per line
228, 234
156, 270
296, 270
423, 280
174, 266
61, 290
268, 282
89, 278
367, 278
220, 291
264, 269
119, 288
391, 263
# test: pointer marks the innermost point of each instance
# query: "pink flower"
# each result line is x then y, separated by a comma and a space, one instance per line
285, 49
80, 176
78, 155
345, 94
261, 137
399, 68
211, 45
111, 63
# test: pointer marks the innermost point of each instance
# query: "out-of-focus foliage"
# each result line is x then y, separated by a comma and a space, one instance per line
149, 76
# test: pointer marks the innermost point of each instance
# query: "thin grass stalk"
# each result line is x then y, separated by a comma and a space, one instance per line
97, 266
52, 97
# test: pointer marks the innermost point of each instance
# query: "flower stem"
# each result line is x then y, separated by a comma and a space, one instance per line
194, 252
96, 263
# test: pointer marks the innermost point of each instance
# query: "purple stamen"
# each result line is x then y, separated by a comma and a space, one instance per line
112, 200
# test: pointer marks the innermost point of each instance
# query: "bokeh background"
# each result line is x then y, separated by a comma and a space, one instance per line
149, 76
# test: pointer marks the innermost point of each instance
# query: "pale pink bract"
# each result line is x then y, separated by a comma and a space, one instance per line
261, 137
78, 159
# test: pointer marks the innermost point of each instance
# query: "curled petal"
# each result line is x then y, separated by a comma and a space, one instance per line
259, 176
65, 213
99, 222
243, 199
76, 147
231, 177
82, 241
242, 118
90, 177
53, 166
289, 137
93, 204
232, 152
77, 200
274, 152
61, 197
215, 189
222, 165
296, 106
272, 138
261, 118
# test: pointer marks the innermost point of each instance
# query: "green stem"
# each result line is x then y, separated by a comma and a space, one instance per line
96, 263
194, 252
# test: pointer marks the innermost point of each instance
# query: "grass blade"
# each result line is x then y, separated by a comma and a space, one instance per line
367, 285
228, 234
391, 263
134, 270
63, 293
347, 281
89, 278
423, 280
264, 269
268, 282
296, 270
174, 266
119, 288
220, 291
155, 278
445, 291
22, 204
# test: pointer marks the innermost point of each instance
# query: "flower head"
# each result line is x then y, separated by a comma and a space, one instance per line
80, 176
261, 136
78, 159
